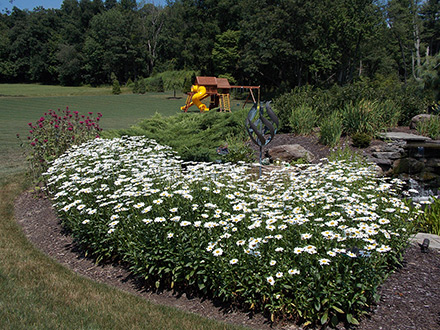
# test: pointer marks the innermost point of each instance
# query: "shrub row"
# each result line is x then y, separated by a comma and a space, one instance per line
365, 107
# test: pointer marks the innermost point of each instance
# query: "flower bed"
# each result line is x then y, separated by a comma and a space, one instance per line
312, 242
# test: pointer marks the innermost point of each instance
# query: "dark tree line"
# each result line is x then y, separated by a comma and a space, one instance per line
276, 43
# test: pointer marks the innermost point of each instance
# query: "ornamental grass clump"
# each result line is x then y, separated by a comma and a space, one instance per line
54, 133
312, 242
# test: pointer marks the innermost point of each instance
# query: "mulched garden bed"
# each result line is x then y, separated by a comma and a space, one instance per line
410, 297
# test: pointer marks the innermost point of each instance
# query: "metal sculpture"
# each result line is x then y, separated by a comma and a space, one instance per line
261, 130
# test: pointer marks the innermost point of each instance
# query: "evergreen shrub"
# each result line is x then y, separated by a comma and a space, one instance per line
361, 140
194, 136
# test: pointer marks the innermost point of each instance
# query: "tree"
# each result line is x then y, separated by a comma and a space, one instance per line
151, 21
109, 48
405, 26
69, 65
225, 54
116, 87
430, 15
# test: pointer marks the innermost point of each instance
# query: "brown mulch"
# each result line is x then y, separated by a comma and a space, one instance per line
410, 297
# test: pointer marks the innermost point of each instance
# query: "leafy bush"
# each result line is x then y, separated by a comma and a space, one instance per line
135, 87
287, 103
142, 88
313, 243
129, 83
303, 120
400, 101
430, 127
154, 84
238, 151
54, 133
361, 140
331, 130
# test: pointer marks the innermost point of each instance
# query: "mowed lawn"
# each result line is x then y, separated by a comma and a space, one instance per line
119, 111
35, 291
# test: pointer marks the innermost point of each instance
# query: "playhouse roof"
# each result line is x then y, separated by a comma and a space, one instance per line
213, 81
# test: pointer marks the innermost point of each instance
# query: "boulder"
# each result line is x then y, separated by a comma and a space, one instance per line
417, 119
408, 165
290, 152
387, 155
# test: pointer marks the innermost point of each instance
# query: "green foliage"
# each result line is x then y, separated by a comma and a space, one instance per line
430, 127
361, 140
135, 87
429, 221
116, 87
393, 102
199, 226
142, 86
287, 103
359, 118
330, 130
238, 151
195, 136
54, 133
303, 119
154, 84
225, 53
345, 154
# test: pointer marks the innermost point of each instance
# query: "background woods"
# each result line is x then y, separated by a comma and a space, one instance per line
278, 44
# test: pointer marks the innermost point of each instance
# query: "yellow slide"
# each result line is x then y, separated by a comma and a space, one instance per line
200, 94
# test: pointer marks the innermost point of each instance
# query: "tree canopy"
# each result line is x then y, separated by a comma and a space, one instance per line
279, 44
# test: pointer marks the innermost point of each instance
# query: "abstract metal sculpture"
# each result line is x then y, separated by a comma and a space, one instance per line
261, 130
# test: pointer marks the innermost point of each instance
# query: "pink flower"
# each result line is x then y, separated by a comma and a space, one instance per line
70, 128
30, 124
41, 119
33, 144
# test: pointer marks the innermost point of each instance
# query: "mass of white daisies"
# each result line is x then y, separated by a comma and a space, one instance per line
306, 240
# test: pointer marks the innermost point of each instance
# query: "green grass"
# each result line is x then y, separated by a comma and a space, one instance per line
35, 291
119, 111
49, 90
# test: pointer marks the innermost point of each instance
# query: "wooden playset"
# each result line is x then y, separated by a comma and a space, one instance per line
218, 89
